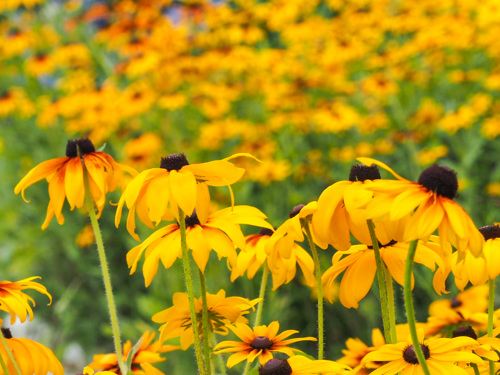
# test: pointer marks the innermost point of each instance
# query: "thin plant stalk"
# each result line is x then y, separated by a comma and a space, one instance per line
258, 316
206, 325
105, 273
491, 310
218, 358
476, 369
262, 293
11, 357
392, 308
321, 343
190, 291
410, 312
4, 366
381, 278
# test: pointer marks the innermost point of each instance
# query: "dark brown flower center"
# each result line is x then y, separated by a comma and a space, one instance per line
465, 331
388, 244
81, 145
490, 231
455, 302
261, 343
410, 356
266, 232
192, 220
363, 172
6, 333
276, 366
174, 162
441, 180
295, 210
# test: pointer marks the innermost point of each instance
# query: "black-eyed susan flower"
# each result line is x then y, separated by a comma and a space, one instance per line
340, 211
148, 352
486, 347
356, 350
222, 311
360, 268
157, 193
14, 301
260, 342
301, 365
283, 266
32, 357
219, 231
428, 203
441, 354
65, 178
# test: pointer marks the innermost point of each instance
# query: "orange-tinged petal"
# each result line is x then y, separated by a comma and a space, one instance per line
183, 188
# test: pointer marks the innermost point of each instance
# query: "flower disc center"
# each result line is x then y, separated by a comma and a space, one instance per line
276, 366
174, 162
410, 356
441, 180
261, 343
490, 231
363, 172
85, 146
192, 220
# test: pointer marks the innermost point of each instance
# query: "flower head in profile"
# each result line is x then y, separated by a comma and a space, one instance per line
340, 211
147, 353
301, 365
429, 205
65, 178
441, 354
260, 342
32, 357
360, 268
219, 231
14, 301
283, 265
222, 311
156, 194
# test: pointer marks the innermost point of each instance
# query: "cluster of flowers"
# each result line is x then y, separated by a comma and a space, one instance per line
395, 221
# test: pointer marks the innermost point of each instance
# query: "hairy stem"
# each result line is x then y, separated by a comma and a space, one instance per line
206, 325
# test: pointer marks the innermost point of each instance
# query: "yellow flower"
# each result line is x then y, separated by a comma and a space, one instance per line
360, 268
301, 365
155, 194
32, 357
219, 231
441, 355
147, 353
260, 342
429, 205
15, 302
65, 178
356, 351
222, 311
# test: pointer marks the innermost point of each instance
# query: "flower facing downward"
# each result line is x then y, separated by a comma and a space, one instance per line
429, 205
65, 178
15, 302
157, 193
259, 342
32, 358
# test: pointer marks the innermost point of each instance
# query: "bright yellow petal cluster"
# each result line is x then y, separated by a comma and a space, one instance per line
260, 342
222, 311
15, 302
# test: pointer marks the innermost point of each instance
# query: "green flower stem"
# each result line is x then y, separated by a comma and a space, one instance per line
220, 362
476, 369
105, 273
4, 366
306, 225
410, 312
384, 303
262, 293
189, 287
258, 316
392, 308
206, 325
11, 357
491, 310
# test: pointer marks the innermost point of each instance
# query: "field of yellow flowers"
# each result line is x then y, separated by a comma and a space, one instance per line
314, 182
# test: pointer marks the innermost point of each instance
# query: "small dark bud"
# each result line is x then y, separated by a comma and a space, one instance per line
174, 162
296, 210
80, 146
363, 172
441, 180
